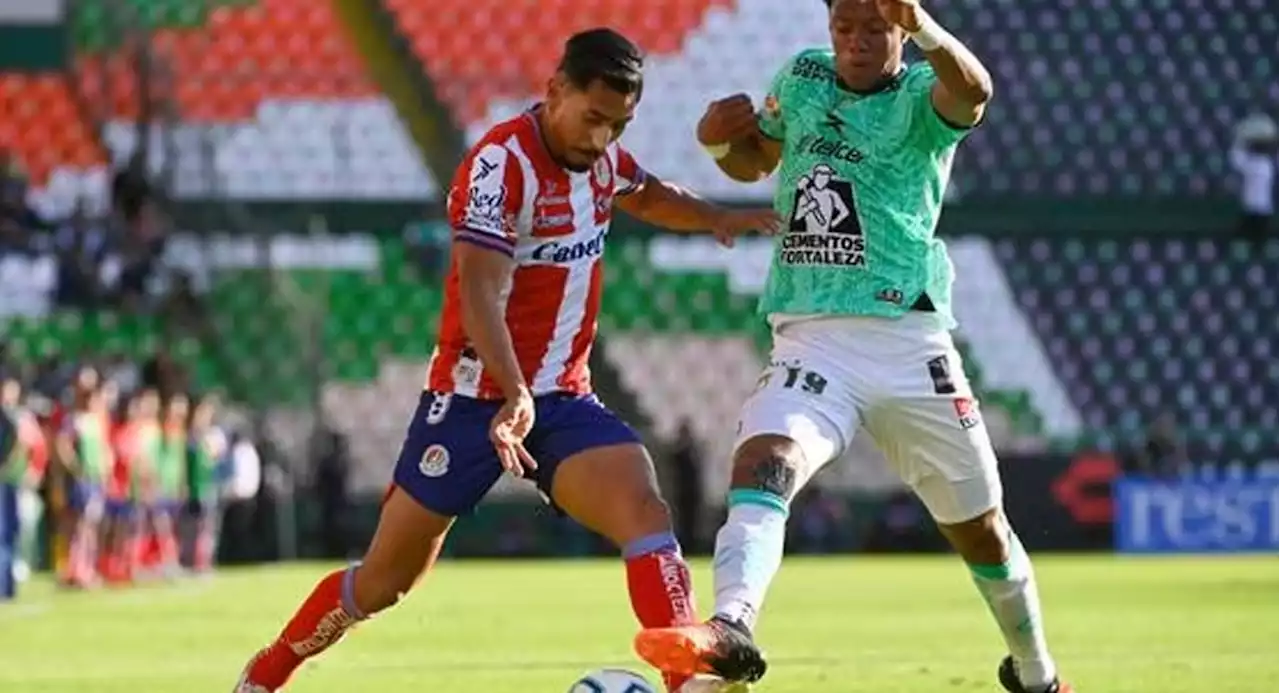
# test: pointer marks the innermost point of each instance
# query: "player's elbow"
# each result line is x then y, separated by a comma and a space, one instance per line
978, 90
984, 90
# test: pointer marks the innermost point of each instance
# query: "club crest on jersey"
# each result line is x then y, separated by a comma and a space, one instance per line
435, 461
966, 412
772, 108
823, 228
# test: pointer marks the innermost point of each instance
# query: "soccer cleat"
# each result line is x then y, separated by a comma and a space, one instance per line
712, 684
245, 686
720, 647
1008, 675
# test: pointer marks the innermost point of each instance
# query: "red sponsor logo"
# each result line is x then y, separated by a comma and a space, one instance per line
1084, 489
966, 411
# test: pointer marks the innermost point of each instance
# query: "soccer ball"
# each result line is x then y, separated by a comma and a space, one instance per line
612, 681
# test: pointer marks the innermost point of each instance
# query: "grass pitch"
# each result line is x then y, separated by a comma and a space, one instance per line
850, 624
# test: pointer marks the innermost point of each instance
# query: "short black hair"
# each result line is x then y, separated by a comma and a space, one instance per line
603, 54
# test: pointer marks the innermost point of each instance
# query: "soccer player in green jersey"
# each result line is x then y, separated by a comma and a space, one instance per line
858, 297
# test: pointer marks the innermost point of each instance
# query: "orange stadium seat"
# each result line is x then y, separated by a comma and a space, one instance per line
39, 122
243, 55
478, 51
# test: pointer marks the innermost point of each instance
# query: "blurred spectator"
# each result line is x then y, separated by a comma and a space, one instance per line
13, 237
1163, 455
18, 223
121, 370
819, 520
428, 244
903, 525
1253, 155
332, 489
81, 246
182, 309
687, 498
132, 197
163, 374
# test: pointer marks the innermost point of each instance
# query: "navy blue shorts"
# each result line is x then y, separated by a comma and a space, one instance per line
120, 508
84, 496
447, 463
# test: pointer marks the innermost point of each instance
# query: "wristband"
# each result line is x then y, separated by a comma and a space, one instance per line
930, 36
718, 151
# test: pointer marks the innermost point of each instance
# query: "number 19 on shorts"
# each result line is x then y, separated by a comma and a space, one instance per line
792, 376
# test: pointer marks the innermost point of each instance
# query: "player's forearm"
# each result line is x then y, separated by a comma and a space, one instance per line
959, 71
671, 206
486, 327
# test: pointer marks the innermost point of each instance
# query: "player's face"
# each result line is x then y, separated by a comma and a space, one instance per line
820, 180
203, 415
177, 410
148, 405
867, 47
107, 395
10, 393
583, 122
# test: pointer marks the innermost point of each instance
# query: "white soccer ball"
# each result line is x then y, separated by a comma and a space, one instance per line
612, 681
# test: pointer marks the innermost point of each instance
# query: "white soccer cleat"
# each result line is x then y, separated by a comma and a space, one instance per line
714, 684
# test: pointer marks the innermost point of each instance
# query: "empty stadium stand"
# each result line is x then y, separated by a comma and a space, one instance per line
1144, 327
1124, 100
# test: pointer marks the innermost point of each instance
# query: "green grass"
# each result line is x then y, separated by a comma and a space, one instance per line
858, 624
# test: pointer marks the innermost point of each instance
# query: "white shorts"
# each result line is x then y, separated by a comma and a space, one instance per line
900, 380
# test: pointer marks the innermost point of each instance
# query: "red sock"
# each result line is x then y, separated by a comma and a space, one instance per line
135, 552
203, 558
662, 593
320, 622
168, 549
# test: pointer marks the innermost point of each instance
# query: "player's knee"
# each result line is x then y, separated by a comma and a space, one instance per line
645, 513
769, 464
377, 588
982, 540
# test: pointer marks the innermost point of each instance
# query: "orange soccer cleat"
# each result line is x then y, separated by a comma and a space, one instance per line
719, 647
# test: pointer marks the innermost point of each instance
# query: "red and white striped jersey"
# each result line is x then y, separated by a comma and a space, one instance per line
510, 196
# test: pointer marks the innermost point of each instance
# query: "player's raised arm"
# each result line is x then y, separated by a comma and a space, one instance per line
964, 85
674, 207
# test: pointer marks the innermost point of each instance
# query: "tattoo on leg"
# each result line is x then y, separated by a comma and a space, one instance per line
776, 475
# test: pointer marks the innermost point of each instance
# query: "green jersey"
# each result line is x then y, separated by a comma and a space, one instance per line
92, 446
202, 466
860, 189
171, 462
14, 469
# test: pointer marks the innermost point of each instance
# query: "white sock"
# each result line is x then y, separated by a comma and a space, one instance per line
748, 553
1010, 591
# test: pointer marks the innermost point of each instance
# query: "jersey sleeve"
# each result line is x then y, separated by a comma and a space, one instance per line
772, 116
628, 176
928, 127
486, 198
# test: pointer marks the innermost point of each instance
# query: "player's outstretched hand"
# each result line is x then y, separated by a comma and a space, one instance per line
735, 222
728, 120
510, 425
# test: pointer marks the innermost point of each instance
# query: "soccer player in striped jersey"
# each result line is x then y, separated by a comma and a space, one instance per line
508, 388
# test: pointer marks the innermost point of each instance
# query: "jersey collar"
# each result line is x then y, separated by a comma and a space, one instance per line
889, 83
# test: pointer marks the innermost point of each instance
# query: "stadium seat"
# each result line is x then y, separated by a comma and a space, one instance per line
41, 126
1142, 328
